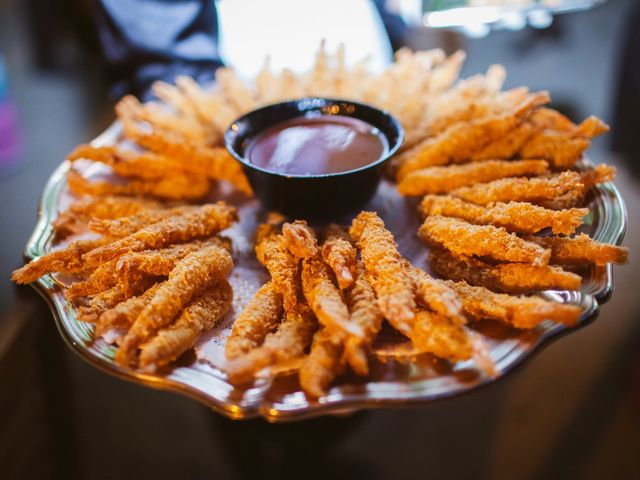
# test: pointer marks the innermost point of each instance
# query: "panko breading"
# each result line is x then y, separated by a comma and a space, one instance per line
200, 315
518, 217
203, 222
465, 239
457, 143
444, 338
258, 318
563, 147
132, 267
325, 299
340, 254
111, 207
507, 277
191, 276
323, 363
581, 249
124, 313
535, 190
299, 239
67, 260
125, 163
289, 341
445, 179
365, 313
171, 187
100, 303
520, 312
601, 173
508, 146
127, 225
283, 267
437, 296
210, 162
385, 269
102, 278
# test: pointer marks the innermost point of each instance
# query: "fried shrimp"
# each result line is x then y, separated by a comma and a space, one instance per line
299, 239
205, 221
322, 365
517, 311
458, 142
535, 190
365, 313
581, 249
258, 318
289, 341
67, 260
125, 163
518, 217
447, 178
437, 296
200, 315
325, 299
212, 162
507, 146
564, 147
507, 278
340, 254
100, 303
465, 239
282, 266
385, 270
442, 337
171, 187
191, 275
127, 225
124, 313
111, 207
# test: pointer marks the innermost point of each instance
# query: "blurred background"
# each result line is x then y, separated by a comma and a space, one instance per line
573, 411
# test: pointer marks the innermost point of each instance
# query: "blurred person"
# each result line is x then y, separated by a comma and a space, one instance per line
148, 40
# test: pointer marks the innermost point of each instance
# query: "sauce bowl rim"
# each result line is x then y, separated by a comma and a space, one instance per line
230, 133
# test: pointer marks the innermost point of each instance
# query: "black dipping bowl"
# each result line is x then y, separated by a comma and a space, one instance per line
319, 196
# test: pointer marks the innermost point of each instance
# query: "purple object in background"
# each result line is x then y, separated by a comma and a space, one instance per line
10, 134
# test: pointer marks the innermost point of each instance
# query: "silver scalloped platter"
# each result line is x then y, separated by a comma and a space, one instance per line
398, 377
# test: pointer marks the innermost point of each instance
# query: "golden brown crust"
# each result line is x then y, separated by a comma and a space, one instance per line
507, 278
200, 315
282, 266
260, 317
465, 239
203, 222
521, 312
447, 178
340, 254
385, 270
581, 249
517, 217
191, 275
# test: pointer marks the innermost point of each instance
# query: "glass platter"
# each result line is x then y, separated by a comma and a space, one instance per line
397, 376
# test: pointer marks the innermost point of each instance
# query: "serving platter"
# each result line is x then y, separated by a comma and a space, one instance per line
397, 377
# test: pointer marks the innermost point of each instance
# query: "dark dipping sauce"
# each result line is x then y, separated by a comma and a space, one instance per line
317, 146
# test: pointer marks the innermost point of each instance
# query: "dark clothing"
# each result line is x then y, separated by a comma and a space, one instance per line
148, 40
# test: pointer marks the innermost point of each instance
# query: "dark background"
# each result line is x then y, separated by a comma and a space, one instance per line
572, 412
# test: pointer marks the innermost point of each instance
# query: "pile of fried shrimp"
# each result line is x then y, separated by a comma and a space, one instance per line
502, 205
